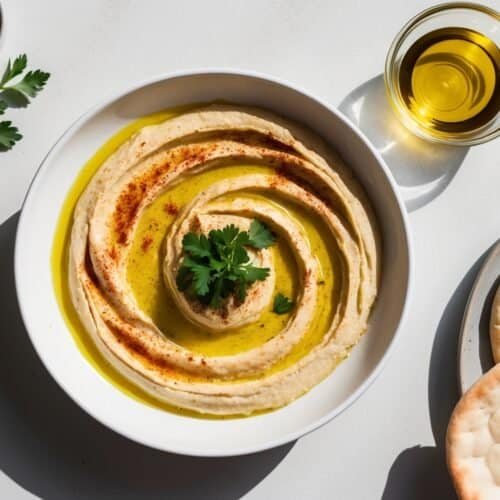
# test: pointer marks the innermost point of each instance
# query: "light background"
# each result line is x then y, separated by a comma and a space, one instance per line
390, 443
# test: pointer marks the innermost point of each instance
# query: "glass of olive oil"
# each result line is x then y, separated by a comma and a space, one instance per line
442, 74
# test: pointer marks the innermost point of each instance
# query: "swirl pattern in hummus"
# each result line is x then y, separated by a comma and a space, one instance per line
301, 171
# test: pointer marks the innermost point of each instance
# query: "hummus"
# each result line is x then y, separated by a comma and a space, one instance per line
200, 171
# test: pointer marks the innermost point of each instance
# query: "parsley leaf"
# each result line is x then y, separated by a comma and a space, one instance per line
282, 304
217, 266
16, 95
9, 135
260, 236
12, 70
201, 278
14, 98
256, 273
197, 246
32, 83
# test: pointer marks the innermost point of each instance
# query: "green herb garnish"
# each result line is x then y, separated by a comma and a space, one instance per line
259, 235
8, 135
217, 266
282, 304
16, 95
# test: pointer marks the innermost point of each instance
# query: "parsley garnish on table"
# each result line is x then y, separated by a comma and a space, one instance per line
15, 91
217, 266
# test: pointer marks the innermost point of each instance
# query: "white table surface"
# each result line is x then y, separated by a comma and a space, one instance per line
387, 445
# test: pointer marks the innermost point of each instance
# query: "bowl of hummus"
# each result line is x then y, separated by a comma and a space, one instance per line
222, 263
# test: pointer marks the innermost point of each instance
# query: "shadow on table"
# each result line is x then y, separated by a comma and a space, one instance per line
421, 169
50, 447
420, 472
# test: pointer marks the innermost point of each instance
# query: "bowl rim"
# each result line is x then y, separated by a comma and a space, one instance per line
393, 95
86, 116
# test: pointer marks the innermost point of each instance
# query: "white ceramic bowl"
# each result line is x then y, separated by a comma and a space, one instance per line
151, 426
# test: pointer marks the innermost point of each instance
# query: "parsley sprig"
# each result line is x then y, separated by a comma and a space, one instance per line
16, 94
217, 266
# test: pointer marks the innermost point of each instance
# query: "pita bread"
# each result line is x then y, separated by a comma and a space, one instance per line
473, 440
495, 327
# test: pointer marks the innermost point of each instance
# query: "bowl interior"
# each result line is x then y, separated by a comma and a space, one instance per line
151, 426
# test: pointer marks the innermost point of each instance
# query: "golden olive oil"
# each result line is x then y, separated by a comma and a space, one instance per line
449, 81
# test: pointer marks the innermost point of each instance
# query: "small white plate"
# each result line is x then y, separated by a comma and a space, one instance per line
160, 429
474, 354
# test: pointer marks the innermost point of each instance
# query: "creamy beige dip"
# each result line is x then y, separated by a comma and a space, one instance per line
292, 166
